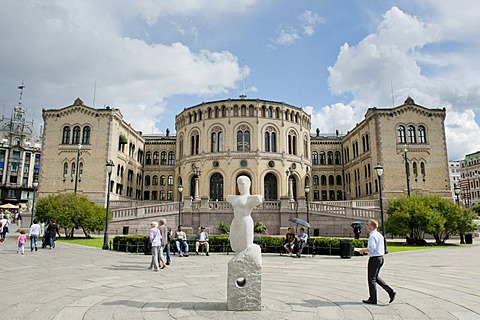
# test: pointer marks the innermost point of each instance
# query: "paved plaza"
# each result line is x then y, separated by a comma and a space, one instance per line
75, 282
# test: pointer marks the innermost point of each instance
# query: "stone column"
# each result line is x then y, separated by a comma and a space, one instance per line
196, 196
290, 189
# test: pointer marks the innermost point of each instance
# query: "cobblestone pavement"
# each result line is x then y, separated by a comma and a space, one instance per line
74, 282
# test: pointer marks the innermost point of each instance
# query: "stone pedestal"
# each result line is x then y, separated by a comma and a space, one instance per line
244, 284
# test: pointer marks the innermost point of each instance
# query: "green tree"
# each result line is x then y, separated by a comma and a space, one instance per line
415, 216
71, 212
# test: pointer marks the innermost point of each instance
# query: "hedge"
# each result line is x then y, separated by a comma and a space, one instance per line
220, 243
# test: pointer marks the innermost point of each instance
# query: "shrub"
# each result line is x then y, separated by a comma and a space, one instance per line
129, 243
224, 228
260, 227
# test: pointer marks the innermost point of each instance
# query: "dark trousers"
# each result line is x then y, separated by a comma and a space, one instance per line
374, 265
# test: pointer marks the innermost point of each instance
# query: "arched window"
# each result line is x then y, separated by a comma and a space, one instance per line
180, 147
171, 158
422, 138
415, 169
243, 110
322, 158
339, 195
155, 158
86, 135
339, 180
163, 158
76, 135
217, 140
224, 111
251, 111
401, 134
170, 181
330, 157
367, 142
72, 172
155, 180
148, 158
422, 169
305, 147
209, 113
162, 181
66, 135
264, 111
364, 144
243, 139
80, 169
195, 140
315, 180
314, 158
65, 169
411, 134
147, 181
270, 140
331, 180
292, 143
235, 111
338, 157
270, 112
217, 112
323, 180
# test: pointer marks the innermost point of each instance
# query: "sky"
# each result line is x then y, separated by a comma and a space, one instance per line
153, 58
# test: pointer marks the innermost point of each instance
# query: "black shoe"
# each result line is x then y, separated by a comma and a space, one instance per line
369, 301
36, 249
207, 254
196, 252
168, 263
392, 296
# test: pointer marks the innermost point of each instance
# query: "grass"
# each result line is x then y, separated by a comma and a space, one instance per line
401, 246
89, 242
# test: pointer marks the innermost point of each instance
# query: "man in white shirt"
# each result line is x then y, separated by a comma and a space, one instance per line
34, 233
376, 250
202, 240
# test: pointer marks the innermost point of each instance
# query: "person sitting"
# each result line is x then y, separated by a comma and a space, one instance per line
181, 241
302, 238
289, 241
201, 240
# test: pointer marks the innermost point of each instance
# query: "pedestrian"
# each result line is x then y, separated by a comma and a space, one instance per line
166, 232
376, 251
4, 229
51, 233
156, 241
34, 233
21, 240
19, 218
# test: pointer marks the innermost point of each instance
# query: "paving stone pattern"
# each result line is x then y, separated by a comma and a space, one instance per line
74, 282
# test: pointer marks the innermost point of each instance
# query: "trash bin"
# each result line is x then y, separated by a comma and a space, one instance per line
469, 238
147, 248
345, 249
125, 230
316, 232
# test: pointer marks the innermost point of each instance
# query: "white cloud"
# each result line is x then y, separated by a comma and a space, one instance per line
334, 117
287, 35
61, 49
397, 56
309, 20
462, 133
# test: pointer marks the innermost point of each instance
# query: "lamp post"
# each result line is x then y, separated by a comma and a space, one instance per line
379, 171
407, 168
35, 185
77, 167
180, 190
457, 191
109, 167
307, 191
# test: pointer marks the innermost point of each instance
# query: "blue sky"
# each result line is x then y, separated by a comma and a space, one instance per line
152, 58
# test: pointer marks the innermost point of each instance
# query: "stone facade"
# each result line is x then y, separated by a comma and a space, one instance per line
268, 141
78, 141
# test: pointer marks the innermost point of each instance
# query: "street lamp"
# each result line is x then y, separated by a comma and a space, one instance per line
109, 166
180, 190
35, 185
77, 167
457, 191
307, 191
379, 171
407, 168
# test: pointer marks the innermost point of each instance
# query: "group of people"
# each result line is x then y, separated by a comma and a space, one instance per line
295, 243
160, 237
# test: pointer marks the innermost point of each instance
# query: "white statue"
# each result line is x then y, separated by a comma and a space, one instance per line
241, 229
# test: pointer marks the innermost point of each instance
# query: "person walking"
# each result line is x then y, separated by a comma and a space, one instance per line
4, 229
156, 240
52, 231
166, 233
34, 233
376, 251
21, 240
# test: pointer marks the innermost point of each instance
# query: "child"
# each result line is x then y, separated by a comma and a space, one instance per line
22, 238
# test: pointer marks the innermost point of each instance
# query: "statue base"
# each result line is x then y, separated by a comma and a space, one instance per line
244, 283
